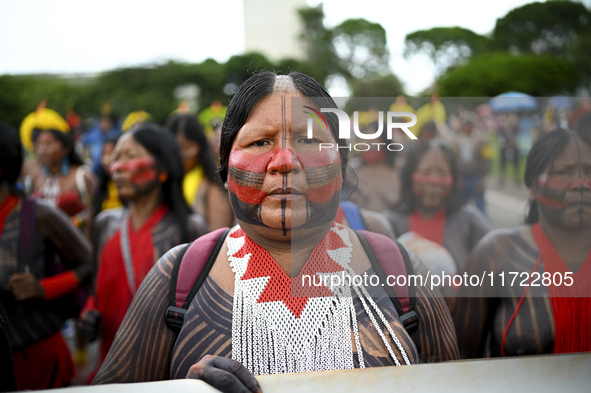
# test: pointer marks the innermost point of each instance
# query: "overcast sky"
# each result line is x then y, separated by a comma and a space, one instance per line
68, 36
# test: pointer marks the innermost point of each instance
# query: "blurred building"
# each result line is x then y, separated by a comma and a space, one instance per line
273, 27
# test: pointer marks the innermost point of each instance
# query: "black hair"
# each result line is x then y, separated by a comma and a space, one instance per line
66, 141
189, 126
256, 88
408, 202
542, 154
166, 151
11, 156
103, 176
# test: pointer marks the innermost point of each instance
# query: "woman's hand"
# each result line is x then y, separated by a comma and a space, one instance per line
89, 325
224, 374
25, 286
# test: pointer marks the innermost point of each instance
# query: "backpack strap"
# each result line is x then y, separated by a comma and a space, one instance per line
389, 258
188, 274
353, 215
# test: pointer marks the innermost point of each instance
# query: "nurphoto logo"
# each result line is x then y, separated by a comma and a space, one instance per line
393, 121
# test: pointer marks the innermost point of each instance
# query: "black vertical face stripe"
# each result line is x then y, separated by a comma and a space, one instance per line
285, 174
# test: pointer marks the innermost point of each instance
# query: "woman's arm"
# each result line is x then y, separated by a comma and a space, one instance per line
56, 226
143, 345
475, 306
435, 336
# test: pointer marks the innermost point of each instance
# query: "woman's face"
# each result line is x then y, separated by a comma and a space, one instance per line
563, 191
189, 152
49, 149
432, 180
279, 179
133, 170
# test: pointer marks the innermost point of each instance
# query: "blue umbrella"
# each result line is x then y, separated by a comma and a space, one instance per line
561, 102
513, 102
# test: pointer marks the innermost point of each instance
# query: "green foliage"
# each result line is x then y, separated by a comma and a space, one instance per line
361, 49
21, 95
495, 73
321, 58
446, 46
542, 27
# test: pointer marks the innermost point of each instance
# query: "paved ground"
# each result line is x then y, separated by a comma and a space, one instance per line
506, 202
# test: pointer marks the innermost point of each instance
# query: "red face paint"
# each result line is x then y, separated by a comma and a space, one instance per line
553, 185
246, 175
436, 180
559, 184
141, 170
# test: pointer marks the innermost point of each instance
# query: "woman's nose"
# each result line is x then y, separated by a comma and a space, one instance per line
284, 161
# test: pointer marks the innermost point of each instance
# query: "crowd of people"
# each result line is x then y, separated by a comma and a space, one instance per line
186, 251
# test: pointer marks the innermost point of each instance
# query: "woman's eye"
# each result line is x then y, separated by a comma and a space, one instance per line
260, 143
307, 140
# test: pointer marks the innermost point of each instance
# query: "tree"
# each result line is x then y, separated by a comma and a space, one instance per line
446, 46
541, 28
317, 40
361, 49
495, 73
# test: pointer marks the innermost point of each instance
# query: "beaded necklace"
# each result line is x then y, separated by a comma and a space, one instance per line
283, 324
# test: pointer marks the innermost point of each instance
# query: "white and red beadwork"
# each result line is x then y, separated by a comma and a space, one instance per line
275, 332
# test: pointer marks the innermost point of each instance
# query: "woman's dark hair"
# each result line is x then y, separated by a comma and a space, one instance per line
542, 155
408, 202
66, 141
11, 156
165, 149
103, 182
260, 86
187, 124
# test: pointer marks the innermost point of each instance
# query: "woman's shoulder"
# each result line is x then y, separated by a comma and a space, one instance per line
503, 245
110, 214
109, 218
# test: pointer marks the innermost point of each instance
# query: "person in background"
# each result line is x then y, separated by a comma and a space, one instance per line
379, 179
59, 176
92, 141
540, 299
36, 288
474, 155
431, 206
201, 185
147, 170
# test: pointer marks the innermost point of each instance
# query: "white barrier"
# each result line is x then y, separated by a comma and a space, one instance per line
552, 373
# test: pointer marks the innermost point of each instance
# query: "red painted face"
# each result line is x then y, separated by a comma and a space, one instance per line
278, 178
134, 170
432, 180
140, 170
564, 190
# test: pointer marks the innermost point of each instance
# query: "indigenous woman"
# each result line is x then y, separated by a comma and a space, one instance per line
59, 177
538, 297
431, 205
201, 187
34, 288
244, 320
147, 171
